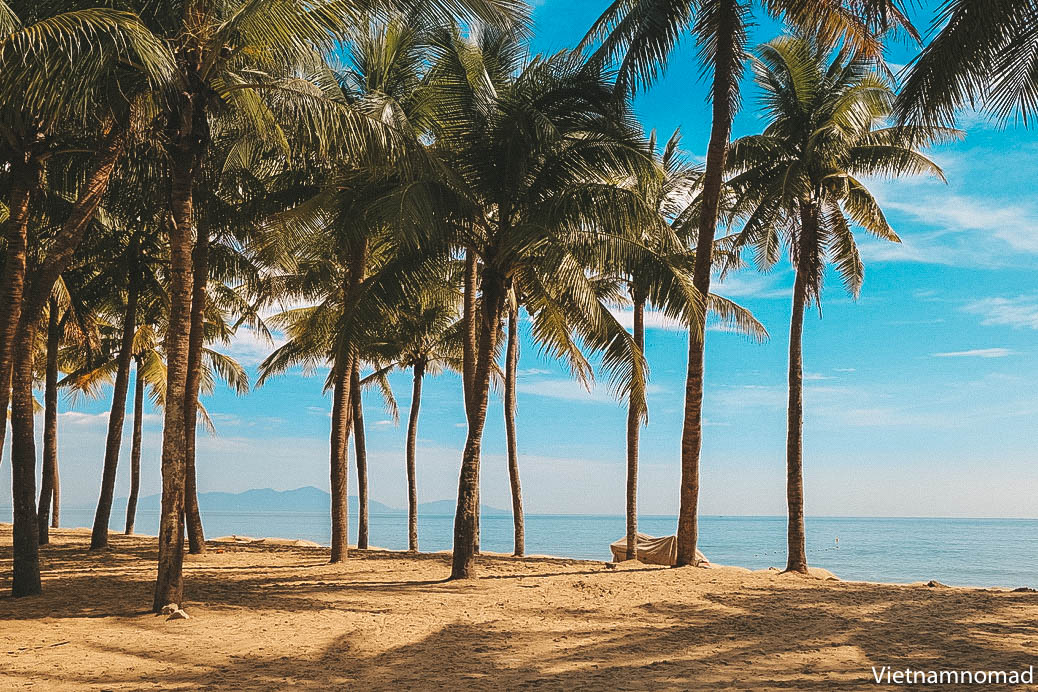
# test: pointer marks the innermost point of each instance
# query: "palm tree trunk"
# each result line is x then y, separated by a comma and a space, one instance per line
511, 367
469, 356
103, 515
634, 425
360, 448
412, 438
471, 327
796, 541
725, 75
339, 466
23, 466
342, 414
50, 424
55, 509
796, 558
192, 516
135, 449
466, 519
25, 175
169, 583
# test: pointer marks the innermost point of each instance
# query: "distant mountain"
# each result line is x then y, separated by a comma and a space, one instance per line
448, 507
308, 499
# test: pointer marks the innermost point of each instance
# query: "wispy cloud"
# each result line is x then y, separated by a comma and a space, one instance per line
249, 347
749, 284
654, 319
961, 226
532, 371
572, 390
976, 353
1020, 312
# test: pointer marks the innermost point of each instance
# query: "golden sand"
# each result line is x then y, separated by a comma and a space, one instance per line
280, 617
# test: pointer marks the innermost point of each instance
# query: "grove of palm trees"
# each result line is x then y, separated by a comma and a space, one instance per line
410, 190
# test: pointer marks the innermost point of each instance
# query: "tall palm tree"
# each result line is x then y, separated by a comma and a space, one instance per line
639, 35
667, 188
825, 131
670, 188
983, 55
40, 45
534, 149
511, 433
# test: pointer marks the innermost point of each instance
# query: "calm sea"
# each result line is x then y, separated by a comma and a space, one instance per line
966, 552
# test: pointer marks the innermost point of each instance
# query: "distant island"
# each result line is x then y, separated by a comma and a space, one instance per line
306, 499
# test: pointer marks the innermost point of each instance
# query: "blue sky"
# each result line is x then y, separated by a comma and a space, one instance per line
920, 397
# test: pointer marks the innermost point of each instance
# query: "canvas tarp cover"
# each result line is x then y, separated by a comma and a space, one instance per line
652, 550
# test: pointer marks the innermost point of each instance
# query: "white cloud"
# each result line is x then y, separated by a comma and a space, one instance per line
532, 371
654, 319
957, 226
977, 353
749, 284
84, 419
572, 390
1020, 312
249, 347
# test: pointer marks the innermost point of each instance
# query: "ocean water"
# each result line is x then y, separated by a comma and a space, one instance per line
963, 552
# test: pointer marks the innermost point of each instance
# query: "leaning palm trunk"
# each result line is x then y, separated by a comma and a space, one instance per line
24, 177
412, 437
135, 450
35, 296
192, 516
796, 560
634, 425
102, 517
361, 452
511, 367
169, 583
692, 431
50, 425
466, 519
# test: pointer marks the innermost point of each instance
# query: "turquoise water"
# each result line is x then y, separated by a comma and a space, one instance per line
966, 552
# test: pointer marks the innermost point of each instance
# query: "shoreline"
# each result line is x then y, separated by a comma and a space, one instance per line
274, 542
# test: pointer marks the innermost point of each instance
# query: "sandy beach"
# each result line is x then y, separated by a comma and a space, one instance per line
277, 617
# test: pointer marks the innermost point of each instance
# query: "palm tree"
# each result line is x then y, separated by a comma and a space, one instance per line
640, 34
123, 360
533, 150
425, 338
349, 274
671, 189
803, 177
983, 55
511, 434
667, 188
108, 50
